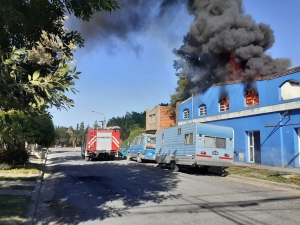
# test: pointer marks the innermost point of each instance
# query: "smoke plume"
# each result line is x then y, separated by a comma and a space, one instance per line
225, 44
135, 17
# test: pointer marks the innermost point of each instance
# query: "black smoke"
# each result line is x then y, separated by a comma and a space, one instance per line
135, 17
220, 29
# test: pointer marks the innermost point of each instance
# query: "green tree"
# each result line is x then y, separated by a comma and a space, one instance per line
62, 136
81, 133
34, 41
130, 121
25, 128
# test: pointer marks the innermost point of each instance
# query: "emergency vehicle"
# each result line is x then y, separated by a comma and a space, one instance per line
102, 144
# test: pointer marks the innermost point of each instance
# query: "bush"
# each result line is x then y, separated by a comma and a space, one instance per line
14, 156
5, 166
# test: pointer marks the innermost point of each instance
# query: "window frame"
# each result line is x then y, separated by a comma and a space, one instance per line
202, 110
186, 113
224, 104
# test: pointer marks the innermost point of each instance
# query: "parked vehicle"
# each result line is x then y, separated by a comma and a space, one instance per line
123, 152
102, 144
195, 145
142, 148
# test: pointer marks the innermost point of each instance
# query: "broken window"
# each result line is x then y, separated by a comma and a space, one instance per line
186, 114
202, 110
251, 98
224, 104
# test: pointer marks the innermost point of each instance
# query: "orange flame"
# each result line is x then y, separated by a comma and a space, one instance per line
236, 68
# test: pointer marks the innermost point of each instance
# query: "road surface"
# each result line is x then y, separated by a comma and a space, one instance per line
125, 192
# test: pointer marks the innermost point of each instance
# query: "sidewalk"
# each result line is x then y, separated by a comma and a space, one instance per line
27, 188
280, 170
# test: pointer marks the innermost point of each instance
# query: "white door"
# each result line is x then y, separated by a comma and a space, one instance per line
251, 146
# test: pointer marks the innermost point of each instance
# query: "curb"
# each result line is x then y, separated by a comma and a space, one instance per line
283, 185
36, 194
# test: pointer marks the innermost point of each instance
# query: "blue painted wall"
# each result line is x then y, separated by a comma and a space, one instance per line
279, 144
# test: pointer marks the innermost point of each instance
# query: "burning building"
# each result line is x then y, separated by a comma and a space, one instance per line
236, 84
265, 119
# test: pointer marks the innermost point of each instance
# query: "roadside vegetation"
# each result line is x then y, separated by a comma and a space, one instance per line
13, 209
265, 175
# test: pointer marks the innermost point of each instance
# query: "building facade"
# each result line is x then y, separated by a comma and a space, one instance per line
265, 116
158, 119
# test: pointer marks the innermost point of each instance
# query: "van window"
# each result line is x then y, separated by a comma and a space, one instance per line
151, 140
138, 141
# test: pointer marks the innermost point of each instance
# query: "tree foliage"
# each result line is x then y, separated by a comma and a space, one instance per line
36, 59
20, 128
129, 122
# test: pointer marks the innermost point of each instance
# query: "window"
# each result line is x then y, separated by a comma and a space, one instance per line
137, 141
290, 89
186, 114
202, 110
189, 139
214, 142
153, 118
224, 104
151, 140
179, 131
251, 98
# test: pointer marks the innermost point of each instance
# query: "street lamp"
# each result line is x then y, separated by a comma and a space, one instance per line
104, 121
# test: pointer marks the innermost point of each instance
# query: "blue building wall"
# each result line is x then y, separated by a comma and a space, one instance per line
278, 128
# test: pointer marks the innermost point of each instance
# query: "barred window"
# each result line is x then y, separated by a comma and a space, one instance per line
202, 110
186, 113
224, 104
251, 98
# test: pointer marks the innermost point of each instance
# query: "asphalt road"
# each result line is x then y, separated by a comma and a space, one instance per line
128, 193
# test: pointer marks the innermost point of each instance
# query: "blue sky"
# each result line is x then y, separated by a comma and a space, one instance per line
134, 73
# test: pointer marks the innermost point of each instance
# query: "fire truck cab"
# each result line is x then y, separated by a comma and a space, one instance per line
102, 144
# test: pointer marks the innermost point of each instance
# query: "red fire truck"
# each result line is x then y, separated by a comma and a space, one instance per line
102, 144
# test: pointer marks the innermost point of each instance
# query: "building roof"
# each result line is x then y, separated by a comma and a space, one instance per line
259, 78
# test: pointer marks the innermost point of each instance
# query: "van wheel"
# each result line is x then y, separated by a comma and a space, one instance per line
139, 159
174, 167
128, 157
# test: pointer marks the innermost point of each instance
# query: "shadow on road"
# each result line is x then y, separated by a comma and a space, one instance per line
91, 191
97, 190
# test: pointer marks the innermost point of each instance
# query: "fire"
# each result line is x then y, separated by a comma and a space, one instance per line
236, 68
252, 98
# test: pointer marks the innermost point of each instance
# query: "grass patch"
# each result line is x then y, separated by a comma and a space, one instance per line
13, 209
18, 178
29, 168
17, 187
264, 175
